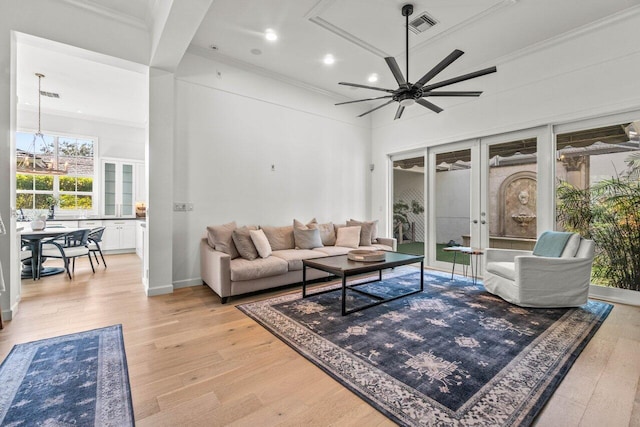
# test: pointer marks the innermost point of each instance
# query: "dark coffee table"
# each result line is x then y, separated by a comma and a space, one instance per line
343, 267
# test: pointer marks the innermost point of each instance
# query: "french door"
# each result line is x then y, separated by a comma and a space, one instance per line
484, 193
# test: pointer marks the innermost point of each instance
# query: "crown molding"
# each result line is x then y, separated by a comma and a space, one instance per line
571, 34
95, 7
82, 117
217, 56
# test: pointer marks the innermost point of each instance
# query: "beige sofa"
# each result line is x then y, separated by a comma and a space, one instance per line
230, 274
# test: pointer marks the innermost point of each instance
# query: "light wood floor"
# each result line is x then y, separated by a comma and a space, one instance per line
193, 361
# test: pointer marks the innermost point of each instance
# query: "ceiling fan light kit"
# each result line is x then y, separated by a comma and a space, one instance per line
407, 93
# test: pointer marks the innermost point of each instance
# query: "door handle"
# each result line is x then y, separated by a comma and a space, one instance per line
475, 221
483, 222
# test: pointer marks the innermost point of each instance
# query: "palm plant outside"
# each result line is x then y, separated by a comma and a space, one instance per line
608, 213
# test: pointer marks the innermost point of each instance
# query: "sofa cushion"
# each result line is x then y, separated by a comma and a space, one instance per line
220, 238
280, 237
369, 229
260, 242
307, 239
333, 250
348, 237
502, 269
243, 269
294, 257
327, 234
244, 244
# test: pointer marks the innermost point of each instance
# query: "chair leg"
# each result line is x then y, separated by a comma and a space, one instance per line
74, 265
91, 262
66, 266
95, 256
102, 256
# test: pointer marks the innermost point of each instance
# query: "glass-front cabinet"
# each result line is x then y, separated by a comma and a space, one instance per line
118, 188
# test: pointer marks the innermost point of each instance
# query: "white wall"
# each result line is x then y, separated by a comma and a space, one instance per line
231, 129
591, 73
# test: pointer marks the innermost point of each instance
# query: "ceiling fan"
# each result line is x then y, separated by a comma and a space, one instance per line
407, 93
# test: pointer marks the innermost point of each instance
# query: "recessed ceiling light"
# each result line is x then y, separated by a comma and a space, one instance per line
270, 35
256, 51
329, 59
372, 78
213, 47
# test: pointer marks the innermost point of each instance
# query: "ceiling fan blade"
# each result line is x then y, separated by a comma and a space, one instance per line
438, 68
395, 69
399, 112
427, 104
378, 107
461, 78
362, 100
366, 87
453, 93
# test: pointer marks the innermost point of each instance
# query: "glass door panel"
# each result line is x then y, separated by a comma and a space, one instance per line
597, 191
127, 190
512, 194
408, 204
109, 189
451, 205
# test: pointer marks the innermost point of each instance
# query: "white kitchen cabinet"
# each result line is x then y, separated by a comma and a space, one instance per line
141, 227
89, 223
118, 188
119, 235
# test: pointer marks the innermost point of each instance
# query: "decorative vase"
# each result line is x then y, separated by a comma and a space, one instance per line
38, 224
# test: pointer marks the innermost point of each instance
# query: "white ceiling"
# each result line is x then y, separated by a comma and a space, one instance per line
359, 33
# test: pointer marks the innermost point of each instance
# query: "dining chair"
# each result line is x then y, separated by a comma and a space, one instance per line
67, 246
95, 238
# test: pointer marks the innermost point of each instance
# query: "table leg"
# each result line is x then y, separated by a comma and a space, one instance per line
304, 281
344, 294
454, 264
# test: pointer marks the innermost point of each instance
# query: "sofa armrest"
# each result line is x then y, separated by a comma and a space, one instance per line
388, 241
215, 269
561, 272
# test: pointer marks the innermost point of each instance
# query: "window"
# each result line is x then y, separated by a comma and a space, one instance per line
73, 190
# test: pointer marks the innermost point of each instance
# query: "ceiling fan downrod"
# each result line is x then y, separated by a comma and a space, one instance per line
407, 10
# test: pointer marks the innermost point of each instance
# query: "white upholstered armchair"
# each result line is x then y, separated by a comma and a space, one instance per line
528, 280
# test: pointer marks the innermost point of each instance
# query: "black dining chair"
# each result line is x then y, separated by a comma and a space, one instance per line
67, 246
95, 238
26, 257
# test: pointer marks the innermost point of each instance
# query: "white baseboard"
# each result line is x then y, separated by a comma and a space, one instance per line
186, 283
160, 290
622, 296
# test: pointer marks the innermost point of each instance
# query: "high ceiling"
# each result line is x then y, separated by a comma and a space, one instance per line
358, 33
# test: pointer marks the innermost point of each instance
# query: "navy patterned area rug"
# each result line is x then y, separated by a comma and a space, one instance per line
79, 379
452, 355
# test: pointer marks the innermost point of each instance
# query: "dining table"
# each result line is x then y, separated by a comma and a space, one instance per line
34, 238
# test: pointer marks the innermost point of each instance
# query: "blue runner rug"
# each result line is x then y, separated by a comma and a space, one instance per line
452, 355
78, 379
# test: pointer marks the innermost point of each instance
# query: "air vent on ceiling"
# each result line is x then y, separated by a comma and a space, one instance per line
49, 94
422, 23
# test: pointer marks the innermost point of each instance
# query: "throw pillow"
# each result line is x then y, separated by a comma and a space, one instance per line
308, 238
327, 234
280, 238
311, 224
552, 243
348, 237
260, 242
220, 238
244, 244
374, 229
366, 228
